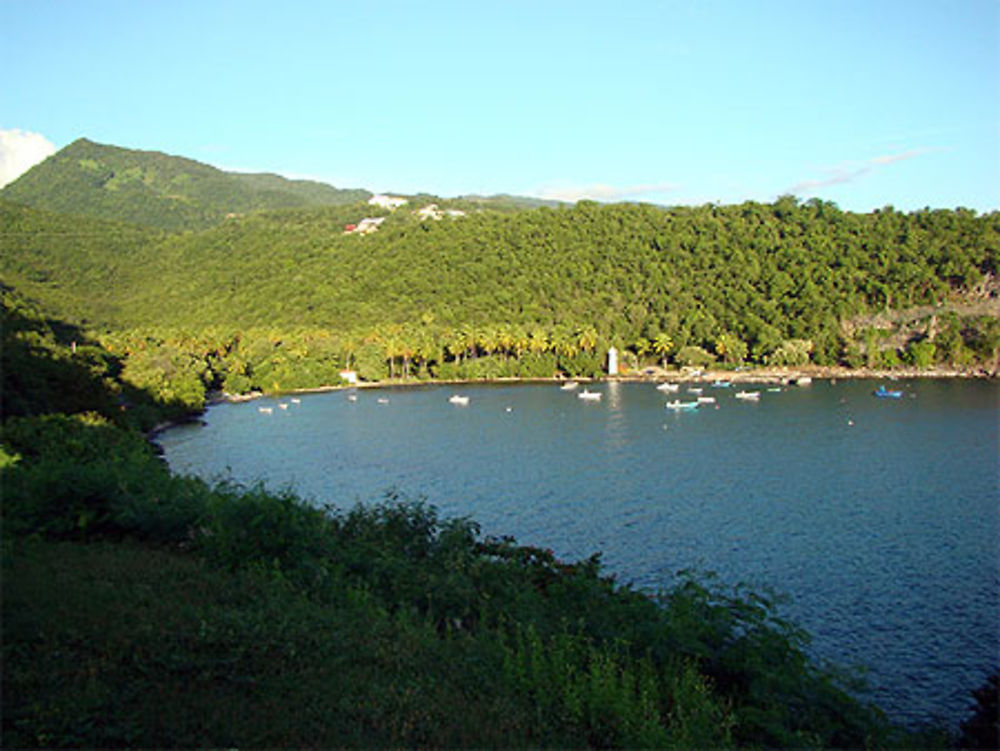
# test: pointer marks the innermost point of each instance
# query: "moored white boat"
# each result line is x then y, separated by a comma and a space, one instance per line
592, 396
750, 396
569, 385
678, 404
669, 388
706, 400
695, 390
459, 400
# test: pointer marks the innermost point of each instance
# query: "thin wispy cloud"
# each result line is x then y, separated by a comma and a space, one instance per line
604, 192
847, 173
20, 150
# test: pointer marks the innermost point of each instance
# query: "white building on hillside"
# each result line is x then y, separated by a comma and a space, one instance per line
369, 224
387, 202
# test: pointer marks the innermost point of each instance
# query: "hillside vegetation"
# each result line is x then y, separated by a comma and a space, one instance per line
158, 190
286, 299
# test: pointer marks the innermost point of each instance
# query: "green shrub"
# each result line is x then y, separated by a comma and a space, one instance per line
693, 357
251, 527
792, 352
582, 365
920, 353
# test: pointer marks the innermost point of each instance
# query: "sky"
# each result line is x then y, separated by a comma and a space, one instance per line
866, 103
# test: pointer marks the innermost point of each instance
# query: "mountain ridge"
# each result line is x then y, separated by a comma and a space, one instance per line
155, 189
176, 193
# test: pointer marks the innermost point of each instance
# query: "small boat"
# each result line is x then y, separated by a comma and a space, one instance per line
883, 393
352, 397
669, 388
283, 405
803, 381
695, 390
706, 400
296, 401
677, 404
750, 396
459, 400
265, 410
593, 396
382, 400
569, 385
720, 384
775, 389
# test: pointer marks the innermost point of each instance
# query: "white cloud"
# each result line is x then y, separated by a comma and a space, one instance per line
846, 173
603, 192
20, 151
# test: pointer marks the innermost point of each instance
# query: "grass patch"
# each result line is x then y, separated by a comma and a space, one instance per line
119, 644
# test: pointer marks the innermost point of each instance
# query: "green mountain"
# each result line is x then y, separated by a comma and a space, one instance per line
782, 283
153, 189
285, 298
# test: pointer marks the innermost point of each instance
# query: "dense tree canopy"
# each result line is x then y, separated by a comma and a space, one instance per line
527, 293
251, 281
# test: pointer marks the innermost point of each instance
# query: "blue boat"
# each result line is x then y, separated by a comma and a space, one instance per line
883, 393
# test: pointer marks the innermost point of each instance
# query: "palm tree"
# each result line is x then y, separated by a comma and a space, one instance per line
565, 344
469, 340
587, 339
406, 350
730, 348
642, 347
505, 340
539, 341
454, 344
390, 340
662, 345
521, 341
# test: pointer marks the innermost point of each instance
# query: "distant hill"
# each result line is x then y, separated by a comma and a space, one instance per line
79, 265
505, 201
153, 189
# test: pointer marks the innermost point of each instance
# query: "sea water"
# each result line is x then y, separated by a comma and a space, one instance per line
878, 518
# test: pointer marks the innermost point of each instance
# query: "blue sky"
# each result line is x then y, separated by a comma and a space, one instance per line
861, 102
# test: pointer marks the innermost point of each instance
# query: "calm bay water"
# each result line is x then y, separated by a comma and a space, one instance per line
879, 518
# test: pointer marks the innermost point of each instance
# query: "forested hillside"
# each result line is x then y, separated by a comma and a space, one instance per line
286, 298
206, 279
80, 267
157, 190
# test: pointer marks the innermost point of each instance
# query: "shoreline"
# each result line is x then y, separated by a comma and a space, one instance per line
654, 374
782, 376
